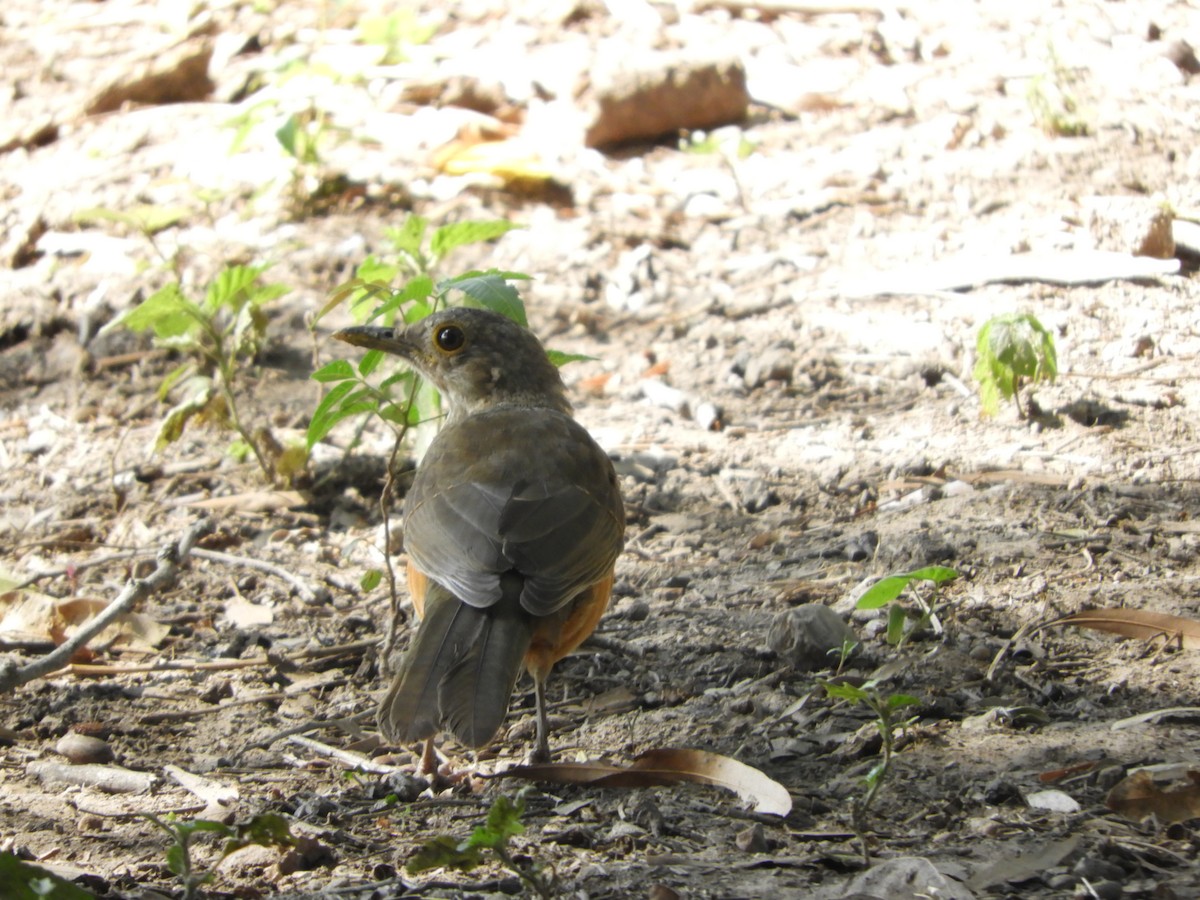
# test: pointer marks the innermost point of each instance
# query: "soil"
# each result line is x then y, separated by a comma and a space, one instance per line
784, 435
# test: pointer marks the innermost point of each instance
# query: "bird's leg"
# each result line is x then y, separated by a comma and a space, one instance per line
541, 753
429, 760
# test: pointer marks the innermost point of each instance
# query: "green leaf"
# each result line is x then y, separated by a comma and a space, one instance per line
172, 378
318, 428
1009, 348
845, 691
338, 370
560, 359
936, 574
148, 218
417, 289
199, 394
166, 311
443, 852
288, 135
450, 237
24, 881
409, 236
490, 290
372, 269
266, 830
503, 822
371, 579
885, 590
370, 362
334, 407
175, 859
230, 287
898, 701
882, 592
896, 620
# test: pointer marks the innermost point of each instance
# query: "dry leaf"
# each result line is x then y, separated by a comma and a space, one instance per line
256, 501
26, 616
32, 616
1138, 796
510, 160
1138, 624
131, 631
668, 765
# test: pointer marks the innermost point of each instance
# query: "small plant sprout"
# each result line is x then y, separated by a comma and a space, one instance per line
267, 830
219, 338
494, 836
887, 709
888, 590
1012, 349
843, 654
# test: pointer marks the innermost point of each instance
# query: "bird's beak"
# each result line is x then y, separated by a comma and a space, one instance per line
374, 337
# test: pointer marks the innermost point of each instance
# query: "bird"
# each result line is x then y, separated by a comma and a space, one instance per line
512, 526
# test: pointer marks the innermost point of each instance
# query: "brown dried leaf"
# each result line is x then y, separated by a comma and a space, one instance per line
1138, 796
669, 765
1139, 624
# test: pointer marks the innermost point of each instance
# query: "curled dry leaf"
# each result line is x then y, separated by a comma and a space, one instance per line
29, 615
669, 765
1139, 624
1138, 796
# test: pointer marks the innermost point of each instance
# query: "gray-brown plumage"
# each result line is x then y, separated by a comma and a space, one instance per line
512, 526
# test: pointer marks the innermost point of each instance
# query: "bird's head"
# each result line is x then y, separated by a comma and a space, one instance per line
476, 358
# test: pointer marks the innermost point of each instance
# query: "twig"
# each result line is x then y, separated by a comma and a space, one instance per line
345, 757
184, 715
163, 577
219, 665
307, 594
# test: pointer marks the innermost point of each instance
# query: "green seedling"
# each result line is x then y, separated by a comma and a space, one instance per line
1053, 100
1012, 349
395, 33
219, 338
889, 721
843, 654
494, 838
267, 830
888, 590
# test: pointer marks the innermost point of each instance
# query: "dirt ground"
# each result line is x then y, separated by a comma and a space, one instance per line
783, 345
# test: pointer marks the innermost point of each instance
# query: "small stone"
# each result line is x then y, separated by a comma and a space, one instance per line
803, 636
669, 92
80, 749
751, 840
1138, 225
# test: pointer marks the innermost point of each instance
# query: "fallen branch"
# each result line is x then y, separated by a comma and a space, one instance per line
163, 577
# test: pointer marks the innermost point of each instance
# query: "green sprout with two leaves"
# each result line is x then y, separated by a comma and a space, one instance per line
1012, 349
267, 830
889, 720
900, 626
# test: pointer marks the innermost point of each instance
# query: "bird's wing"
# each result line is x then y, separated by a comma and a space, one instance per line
547, 507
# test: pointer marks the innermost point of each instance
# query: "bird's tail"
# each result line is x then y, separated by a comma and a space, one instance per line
460, 671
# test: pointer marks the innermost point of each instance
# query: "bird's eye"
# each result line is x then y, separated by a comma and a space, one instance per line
449, 338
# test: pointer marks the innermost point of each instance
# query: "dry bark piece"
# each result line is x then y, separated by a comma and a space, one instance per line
110, 779
669, 92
